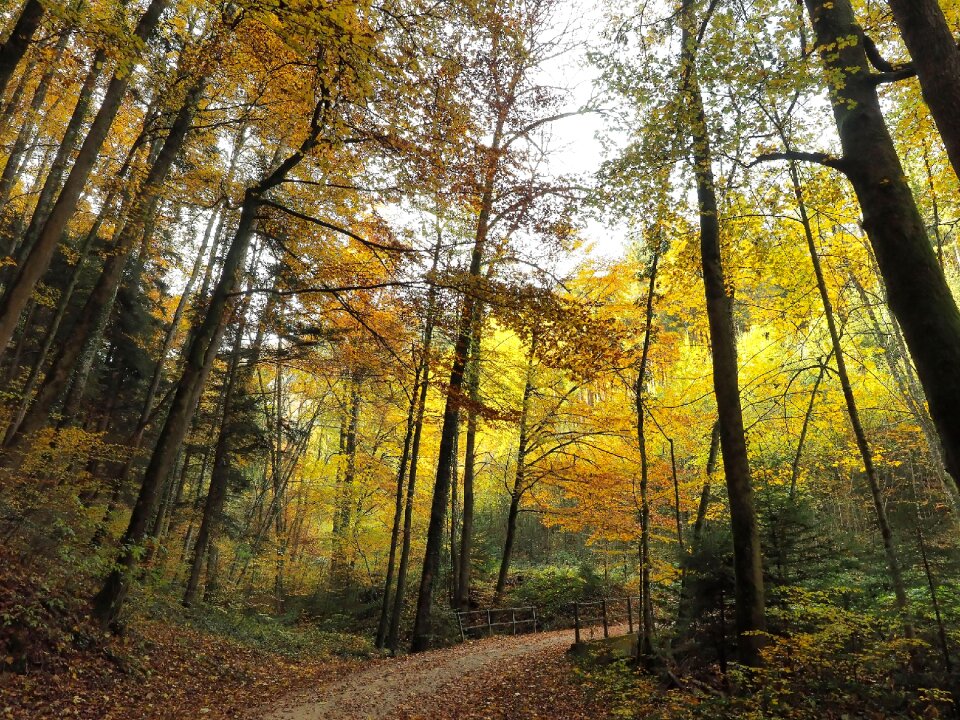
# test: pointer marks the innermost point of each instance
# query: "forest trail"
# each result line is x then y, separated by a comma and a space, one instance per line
522, 676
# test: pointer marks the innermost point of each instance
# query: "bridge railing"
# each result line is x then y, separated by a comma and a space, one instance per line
589, 618
610, 614
475, 623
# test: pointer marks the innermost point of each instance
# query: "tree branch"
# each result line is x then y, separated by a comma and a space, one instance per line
819, 158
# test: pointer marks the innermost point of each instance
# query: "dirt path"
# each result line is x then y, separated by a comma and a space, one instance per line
524, 676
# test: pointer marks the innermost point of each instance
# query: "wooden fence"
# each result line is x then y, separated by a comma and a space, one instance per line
610, 614
479, 622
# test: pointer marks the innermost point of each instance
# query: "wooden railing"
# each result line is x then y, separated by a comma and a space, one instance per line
491, 620
606, 613
612, 615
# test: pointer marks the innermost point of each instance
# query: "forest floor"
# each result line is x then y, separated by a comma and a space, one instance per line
511, 677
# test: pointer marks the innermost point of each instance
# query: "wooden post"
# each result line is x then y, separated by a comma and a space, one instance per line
489, 623
576, 622
513, 620
460, 624
603, 607
629, 615
535, 619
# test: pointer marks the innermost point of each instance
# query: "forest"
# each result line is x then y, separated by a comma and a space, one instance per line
354, 355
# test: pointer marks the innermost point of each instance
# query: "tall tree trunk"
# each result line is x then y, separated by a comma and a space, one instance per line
198, 358
20, 38
393, 636
384, 624
863, 445
36, 263
454, 518
451, 412
519, 478
58, 166
645, 644
936, 60
918, 292
220, 475
748, 568
18, 153
345, 494
462, 597
93, 318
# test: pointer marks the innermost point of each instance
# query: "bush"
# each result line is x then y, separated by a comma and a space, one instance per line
553, 590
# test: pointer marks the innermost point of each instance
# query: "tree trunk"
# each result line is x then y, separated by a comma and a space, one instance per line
462, 598
54, 176
20, 38
93, 318
393, 636
863, 445
454, 517
748, 568
344, 509
18, 153
198, 358
220, 475
384, 623
451, 412
918, 292
645, 644
519, 479
35, 265
936, 60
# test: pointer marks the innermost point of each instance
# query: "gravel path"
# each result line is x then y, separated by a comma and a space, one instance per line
510, 677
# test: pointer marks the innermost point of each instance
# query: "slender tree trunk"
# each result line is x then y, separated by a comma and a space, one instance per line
384, 624
220, 475
20, 38
807, 416
748, 569
393, 636
918, 292
519, 478
93, 318
462, 598
441, 488
711, 468
54, 176
863, 445
198, 359
18, 153
36, 263
454, 518
645, 644
344, 508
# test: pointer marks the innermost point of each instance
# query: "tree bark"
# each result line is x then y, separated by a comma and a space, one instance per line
519, 478
451, 412
863, 445
198, 358
220, 475
13, 50
384, 622
18, 153
93, 318
645, 644
918, 292
748, 569
36, 263
54, 176
936, 60
393, 636
462, 597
